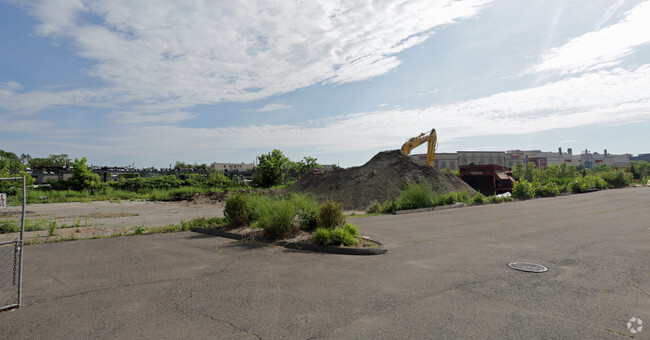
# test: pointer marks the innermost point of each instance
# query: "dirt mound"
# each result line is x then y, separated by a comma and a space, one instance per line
382, 178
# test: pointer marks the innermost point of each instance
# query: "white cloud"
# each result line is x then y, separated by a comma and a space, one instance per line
603, 48
185, 53
273, 107
172, 117
618, 96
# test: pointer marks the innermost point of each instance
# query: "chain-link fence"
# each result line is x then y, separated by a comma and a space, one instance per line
9, 261
11, 258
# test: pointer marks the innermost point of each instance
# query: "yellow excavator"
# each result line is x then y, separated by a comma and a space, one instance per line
431, 138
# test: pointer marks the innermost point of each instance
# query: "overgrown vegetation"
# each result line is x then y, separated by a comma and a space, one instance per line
422, 195
558, 179
530, 183
274, 170
281, 216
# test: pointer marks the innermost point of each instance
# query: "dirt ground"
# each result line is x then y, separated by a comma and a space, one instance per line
103, 218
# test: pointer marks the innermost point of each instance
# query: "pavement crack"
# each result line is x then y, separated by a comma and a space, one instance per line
240, 329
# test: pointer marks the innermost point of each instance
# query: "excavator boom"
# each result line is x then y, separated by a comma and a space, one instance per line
431, 138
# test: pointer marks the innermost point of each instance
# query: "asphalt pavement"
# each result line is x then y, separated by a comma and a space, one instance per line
445, 276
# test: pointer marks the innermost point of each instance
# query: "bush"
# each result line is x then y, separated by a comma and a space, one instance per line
589, 182
331, 215
416, 196
617, 179
278, 220
307, 208
236, 210
452, 197
547, 190
374, 207
352, 229
345, 235
479, 199
523, 189
322, 237
390, 207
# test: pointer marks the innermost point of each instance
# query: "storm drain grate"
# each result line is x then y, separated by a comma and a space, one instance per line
527, 267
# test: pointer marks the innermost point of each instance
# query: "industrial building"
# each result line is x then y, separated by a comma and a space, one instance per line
512, 158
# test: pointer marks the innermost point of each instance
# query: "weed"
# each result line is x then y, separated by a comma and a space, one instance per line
416, 196
139, 230
52, 229
331, 215
322, 236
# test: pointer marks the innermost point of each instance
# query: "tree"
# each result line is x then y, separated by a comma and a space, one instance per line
306, 164
272, 170
82, 177
52, 161
10, 166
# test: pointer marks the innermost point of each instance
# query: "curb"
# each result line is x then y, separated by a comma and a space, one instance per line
380, 249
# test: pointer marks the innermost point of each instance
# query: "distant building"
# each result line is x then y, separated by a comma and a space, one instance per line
232, 167
512, 158
641, 157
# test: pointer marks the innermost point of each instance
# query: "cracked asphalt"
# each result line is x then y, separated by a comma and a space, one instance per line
445, 276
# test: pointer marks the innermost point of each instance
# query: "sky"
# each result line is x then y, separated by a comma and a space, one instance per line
149, 83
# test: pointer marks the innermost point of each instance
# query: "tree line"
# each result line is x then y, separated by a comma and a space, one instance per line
273, 169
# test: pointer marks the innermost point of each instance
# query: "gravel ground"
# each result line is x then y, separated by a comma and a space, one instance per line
104, 218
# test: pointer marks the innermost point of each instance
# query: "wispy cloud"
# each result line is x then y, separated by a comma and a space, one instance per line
602, 48
185, 54
273, 107
617, 96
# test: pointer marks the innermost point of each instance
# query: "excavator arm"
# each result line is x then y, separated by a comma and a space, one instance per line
431, 138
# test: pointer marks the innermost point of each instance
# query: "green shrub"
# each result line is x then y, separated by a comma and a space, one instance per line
523, 189
331, 215
352, 229
343, 236
307, 208
479, 199
278, 221
549, 189
236, 210
322, 237
589, 182
495, 199
617, 179
416, 196
390, 207
9, 226
452, 197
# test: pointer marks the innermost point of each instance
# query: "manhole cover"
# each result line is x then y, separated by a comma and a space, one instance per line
528, 267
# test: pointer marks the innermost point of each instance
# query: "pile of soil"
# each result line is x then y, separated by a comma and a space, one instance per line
382, 178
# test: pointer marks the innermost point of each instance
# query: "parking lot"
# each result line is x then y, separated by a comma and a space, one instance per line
445, 276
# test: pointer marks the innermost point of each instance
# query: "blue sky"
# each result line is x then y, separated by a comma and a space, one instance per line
155, 82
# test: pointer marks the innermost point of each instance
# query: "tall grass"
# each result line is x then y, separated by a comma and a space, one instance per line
278, 219
416, 196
